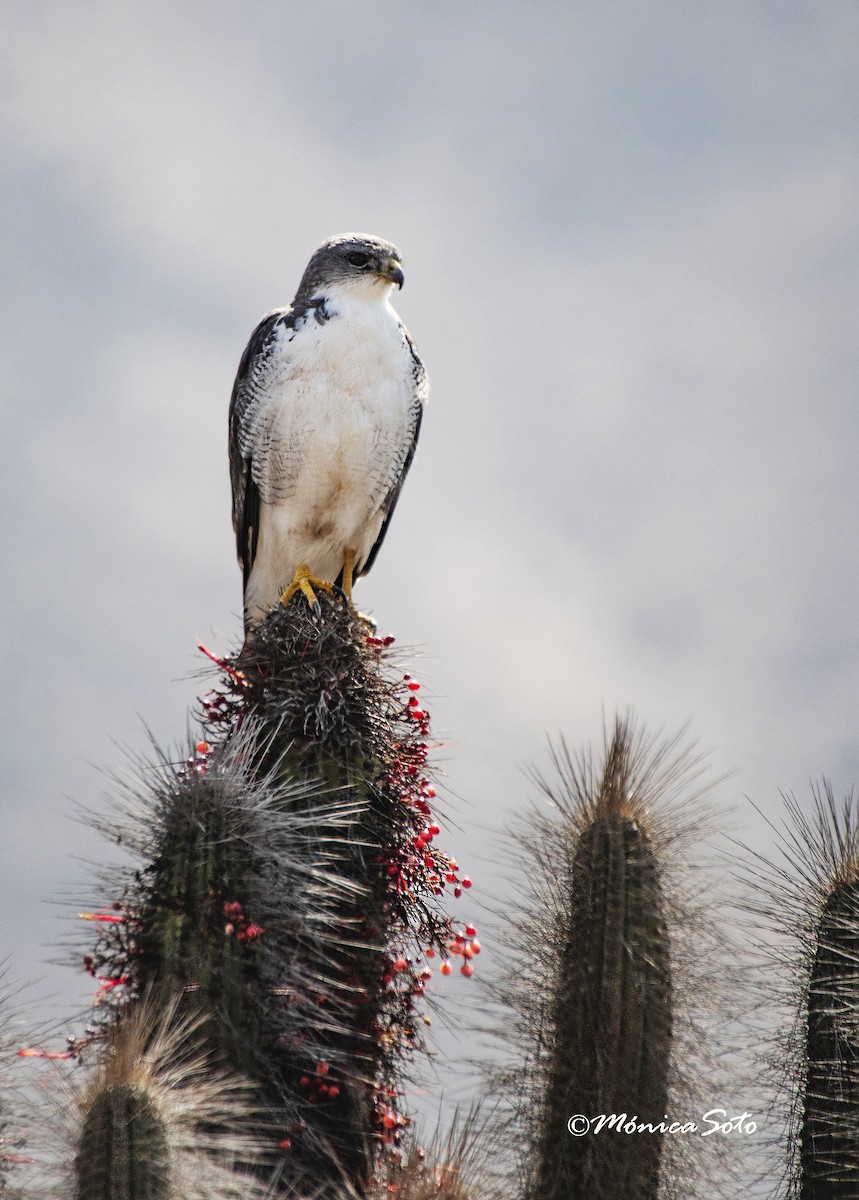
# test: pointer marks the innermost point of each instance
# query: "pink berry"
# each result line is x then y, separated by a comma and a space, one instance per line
466, 969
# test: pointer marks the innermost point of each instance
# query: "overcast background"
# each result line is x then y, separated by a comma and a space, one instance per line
630, 238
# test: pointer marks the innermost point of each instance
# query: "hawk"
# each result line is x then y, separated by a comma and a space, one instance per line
324, 420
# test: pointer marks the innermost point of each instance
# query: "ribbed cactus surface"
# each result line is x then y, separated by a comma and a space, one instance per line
611, 1018
203, 862
588, 985
122, 1153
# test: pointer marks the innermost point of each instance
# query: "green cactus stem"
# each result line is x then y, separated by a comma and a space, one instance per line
611, 1020
180, 944
829, 1133
808, 896
157, 1118
609, 931
123, 1151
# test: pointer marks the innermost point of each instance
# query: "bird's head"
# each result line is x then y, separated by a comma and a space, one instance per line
355, 262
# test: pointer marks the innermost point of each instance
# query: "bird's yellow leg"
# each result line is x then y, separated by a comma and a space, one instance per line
348, 569
304, 581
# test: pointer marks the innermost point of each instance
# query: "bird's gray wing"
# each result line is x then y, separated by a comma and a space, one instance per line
420, 388
246, 397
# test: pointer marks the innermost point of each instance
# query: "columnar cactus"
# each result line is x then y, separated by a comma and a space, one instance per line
610, 1017
288, 886
590, 994
158, 1120
829, 1133
123, 1148
811, 900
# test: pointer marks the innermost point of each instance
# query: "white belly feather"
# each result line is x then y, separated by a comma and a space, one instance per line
330, 436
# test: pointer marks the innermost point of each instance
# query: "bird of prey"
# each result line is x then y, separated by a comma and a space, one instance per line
324, 419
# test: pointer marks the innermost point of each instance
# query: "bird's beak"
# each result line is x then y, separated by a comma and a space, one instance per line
395, 272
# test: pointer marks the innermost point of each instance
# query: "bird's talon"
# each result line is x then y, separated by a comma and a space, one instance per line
304, 582
309, 594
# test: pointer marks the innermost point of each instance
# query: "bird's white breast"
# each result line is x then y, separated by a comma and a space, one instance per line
339, 399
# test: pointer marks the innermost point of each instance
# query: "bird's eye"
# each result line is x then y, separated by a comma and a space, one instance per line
357, 259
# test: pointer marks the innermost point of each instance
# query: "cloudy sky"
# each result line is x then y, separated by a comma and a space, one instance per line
630, 235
